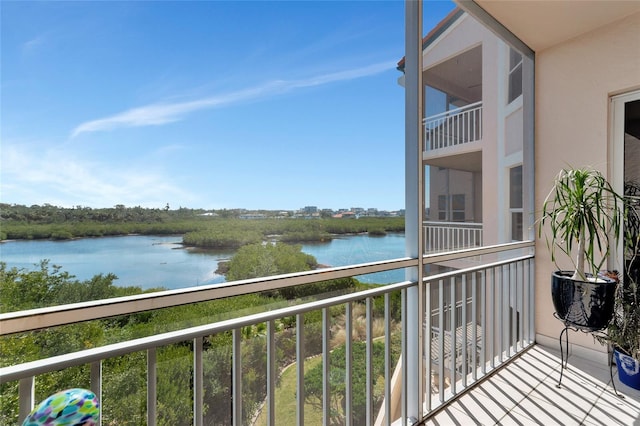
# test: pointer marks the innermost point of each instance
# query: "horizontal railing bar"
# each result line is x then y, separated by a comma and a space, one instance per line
475, 251
33, 368
453, 224
472, 269
35, 319
452, 112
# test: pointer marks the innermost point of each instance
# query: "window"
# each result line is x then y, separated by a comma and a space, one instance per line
457, 207
456, 211
515, 75
442, 207
515, 202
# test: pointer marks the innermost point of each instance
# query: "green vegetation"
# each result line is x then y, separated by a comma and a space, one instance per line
286, 398
337, 360
224, 230
258, 260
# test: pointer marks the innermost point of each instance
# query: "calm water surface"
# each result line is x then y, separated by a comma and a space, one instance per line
161, 261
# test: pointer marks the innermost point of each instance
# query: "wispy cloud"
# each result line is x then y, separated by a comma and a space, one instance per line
32, 44
162, 113
59, 178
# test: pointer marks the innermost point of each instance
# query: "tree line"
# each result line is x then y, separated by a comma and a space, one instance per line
225, 230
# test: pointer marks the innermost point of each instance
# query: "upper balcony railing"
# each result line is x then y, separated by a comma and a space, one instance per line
455, 127
448, 236
462, 344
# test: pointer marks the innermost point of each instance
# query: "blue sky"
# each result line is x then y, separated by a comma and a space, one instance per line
271, 105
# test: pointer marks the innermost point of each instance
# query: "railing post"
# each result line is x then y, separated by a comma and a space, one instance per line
26, 395
348, 391
463, 326
369, 358
441, 331
483, 321
387, 362
427, 336
532, 301
271, 373
454, 335
236, 377
96, 384
326, 369
300, 369
491, 323
152, 394
198, 381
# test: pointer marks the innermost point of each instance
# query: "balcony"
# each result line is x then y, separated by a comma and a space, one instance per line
479, 360
453, 128
447, 236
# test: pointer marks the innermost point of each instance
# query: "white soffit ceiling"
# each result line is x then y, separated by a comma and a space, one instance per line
544, 23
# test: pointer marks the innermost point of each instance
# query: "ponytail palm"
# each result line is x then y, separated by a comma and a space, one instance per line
583, 213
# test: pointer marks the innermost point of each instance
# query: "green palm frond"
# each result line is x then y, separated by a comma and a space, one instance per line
583, 212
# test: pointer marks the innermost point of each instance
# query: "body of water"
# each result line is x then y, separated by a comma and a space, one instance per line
161, 261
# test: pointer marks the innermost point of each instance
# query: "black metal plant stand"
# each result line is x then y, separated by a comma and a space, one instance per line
564, 361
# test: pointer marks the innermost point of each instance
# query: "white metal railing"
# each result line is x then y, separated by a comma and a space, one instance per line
486, 331
453, 127
16, 322
447, 236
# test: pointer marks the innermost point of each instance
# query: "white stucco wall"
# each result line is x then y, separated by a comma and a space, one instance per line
574, 81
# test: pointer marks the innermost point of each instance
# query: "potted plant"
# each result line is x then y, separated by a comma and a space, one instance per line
623, 333
582, 217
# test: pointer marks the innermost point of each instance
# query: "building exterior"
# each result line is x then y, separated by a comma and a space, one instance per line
479, 119
473, 136
587, 69
472, 159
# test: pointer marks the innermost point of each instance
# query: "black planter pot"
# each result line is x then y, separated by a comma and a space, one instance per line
585, 305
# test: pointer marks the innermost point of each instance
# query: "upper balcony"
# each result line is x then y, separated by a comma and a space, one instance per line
453, 139
450, 236
453, 128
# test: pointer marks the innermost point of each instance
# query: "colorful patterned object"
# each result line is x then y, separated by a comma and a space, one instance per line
68, 407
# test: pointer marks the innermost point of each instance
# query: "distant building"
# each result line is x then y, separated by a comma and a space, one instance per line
253, 216
326, 212
345, 214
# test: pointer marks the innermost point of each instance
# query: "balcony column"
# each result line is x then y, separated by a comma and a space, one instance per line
413, 376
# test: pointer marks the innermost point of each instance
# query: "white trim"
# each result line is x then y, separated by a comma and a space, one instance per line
616, 155
514, 105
